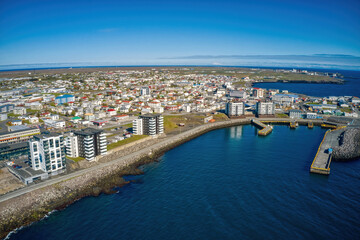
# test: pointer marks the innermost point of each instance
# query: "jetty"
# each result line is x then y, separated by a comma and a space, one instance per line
322, 160
265, 129
294, 124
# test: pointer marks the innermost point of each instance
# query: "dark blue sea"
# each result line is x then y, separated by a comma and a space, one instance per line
351, 86
226, 184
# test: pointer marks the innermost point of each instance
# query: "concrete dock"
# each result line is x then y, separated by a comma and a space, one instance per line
265, 129
322, 160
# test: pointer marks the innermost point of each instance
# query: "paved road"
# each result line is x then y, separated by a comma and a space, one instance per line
124, 160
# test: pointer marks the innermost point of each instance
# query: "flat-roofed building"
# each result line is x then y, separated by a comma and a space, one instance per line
235, 109
149, 124
91, 143
47, 153
295, 113
72, 146
18, 135
265, 109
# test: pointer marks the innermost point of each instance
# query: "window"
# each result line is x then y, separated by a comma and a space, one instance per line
35, 147
52, 155
57, 143
51, 142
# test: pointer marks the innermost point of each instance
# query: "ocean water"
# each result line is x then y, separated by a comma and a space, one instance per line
226, 184
351, 87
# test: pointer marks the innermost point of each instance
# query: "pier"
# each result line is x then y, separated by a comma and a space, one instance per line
322, 160
265, 129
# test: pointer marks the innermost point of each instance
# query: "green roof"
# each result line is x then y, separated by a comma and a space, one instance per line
76, 118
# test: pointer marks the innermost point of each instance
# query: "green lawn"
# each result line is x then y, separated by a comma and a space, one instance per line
281, 115
125, 141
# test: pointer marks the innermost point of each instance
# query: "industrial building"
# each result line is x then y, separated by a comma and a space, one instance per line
64, 99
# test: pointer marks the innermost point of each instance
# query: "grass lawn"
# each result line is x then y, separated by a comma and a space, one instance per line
125, 141
170, 122
281, 115
346, 109
220, 117
76, 159
129, 125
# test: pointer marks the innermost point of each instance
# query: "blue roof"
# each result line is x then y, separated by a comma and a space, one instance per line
64, 96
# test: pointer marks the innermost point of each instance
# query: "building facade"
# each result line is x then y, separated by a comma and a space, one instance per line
47, 153
294, 113
145, 91
149, 124
258, 92
18, 136
235, 109
265, 109
91, 143
138, 126
72, 146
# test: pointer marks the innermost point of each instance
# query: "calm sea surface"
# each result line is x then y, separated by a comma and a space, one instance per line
226, 184
351, 87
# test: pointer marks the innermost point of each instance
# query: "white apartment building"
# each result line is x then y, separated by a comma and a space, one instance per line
145, 91
72, 147
138, 126
47, 153
258, 92
265, 108
235, 109
19, 110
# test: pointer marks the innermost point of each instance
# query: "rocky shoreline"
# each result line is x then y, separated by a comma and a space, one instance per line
33, 206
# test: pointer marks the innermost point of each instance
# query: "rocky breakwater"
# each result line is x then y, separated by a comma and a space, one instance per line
34, 205
349, 145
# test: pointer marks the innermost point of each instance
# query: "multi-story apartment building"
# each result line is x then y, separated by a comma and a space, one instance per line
265, 109
149, 124
235, 109
72, 146
258, 92
145, 91
47, 153
138, 126
91, 143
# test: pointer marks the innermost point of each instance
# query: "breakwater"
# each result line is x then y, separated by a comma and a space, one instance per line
349, 145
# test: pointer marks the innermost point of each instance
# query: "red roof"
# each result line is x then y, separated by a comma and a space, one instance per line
111, 110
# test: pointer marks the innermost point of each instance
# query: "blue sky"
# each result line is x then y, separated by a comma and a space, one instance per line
173, 32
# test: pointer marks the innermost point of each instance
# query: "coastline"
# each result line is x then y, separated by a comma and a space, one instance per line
34, 205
